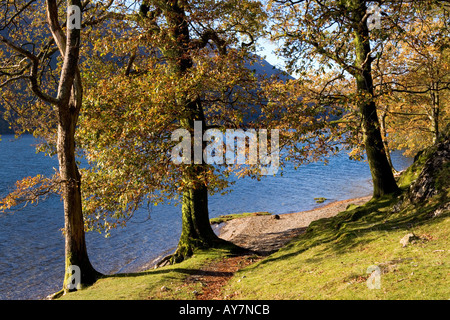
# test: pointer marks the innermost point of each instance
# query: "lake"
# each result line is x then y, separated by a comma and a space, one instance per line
32, 245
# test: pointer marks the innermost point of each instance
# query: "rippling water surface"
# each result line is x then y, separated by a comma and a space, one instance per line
32, 246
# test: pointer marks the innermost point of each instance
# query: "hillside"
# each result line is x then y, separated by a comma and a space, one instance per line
4, 126
395, 247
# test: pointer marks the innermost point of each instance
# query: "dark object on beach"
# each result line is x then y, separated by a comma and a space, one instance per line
276, 217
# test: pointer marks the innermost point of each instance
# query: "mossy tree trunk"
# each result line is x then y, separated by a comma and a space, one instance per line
382, 175
196, 228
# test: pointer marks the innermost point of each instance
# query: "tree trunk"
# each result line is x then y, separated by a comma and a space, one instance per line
70, 98
75, 244
434, 116
196, 228
385, 139
68, 105
382, 175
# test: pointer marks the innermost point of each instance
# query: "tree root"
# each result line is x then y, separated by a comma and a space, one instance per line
183, 252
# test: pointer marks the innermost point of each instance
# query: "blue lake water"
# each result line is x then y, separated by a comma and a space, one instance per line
32, 245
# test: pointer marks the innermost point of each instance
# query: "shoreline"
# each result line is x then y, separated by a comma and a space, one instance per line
267, 234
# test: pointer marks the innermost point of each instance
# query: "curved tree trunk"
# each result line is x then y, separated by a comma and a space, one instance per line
68, 103
75, 244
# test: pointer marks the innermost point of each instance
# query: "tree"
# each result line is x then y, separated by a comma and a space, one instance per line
25, 66
336, 34
414, 84
172, 65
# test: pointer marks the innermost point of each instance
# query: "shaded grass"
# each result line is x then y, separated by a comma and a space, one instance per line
161, 283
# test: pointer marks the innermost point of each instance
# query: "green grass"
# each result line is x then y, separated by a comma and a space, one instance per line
224, 218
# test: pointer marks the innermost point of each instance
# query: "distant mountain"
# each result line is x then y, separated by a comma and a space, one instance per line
4, 126
263, 67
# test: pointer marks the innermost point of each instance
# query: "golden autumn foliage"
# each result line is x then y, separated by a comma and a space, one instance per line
414, 84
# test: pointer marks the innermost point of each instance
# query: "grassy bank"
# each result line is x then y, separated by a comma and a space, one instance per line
333, 259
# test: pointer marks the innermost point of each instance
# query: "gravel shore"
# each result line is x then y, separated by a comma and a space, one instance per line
266, 234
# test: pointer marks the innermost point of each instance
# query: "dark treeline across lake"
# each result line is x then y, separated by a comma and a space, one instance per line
32, 245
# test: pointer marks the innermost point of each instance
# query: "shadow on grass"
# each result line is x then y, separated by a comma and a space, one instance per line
159, 271
227, 249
